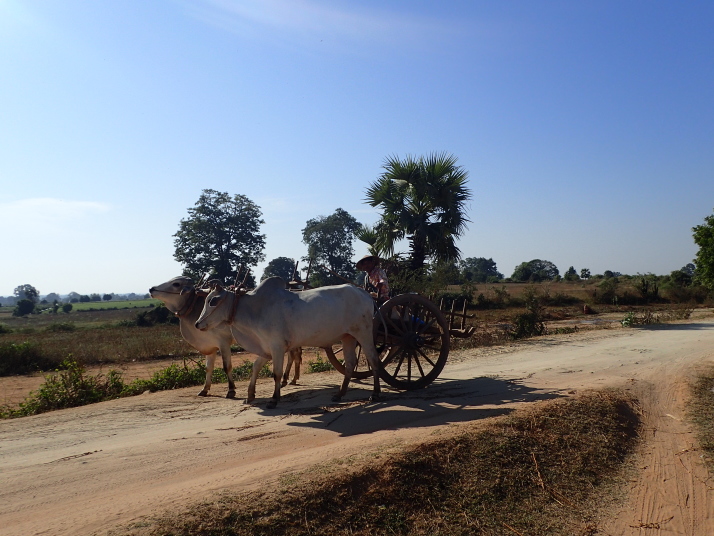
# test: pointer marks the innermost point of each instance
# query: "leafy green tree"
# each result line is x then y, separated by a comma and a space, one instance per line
704, 261
585, 273
535, 270
571, 275
52, 297
480, 270
27, 292
680, 278
67, 307
107, 297
423, 200
329, 242
84, 298
281, 267
95, 297
23, 307
220, 234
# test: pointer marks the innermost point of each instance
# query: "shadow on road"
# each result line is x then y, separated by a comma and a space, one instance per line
675, 327
445, 401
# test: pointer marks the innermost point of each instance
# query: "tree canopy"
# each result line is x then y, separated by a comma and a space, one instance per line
535, 270
423, 200
27, 292
704, 261
480, 270
329, 241
281, 267
221, 233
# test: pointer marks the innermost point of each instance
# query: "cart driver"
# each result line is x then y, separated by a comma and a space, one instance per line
376, 277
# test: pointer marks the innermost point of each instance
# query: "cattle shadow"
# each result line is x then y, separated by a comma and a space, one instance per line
443, 402
675, 327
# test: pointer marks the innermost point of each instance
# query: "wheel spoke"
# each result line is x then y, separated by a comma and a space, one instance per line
399, 365
427, 358
418, 363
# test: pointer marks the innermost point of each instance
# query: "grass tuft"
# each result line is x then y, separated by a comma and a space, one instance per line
701, 412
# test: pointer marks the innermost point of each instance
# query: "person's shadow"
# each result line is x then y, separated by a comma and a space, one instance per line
444, 401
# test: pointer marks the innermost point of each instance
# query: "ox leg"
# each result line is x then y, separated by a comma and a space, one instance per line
210, 363
277, 376
349, 345
228, 369
294, 358
287, 369
367, 343
297, 359
257, 365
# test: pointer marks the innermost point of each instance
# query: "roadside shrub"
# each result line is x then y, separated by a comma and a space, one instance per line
21, 358
68, 388
4, 329
172, 377
319, 365
530, 323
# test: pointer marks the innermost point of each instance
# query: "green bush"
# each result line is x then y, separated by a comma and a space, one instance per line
530, 323
4, 329
21, 358
319, 365
68, 388
156, 315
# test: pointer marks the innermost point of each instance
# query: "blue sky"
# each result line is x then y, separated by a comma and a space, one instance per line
587, 128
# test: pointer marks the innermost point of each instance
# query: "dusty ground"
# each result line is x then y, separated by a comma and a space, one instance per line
91, 469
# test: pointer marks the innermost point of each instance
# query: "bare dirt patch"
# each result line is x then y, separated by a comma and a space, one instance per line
88, 470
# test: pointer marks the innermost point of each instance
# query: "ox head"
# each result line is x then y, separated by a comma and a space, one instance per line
174, 293
216, 309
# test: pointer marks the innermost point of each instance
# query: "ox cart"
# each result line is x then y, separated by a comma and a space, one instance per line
412, 337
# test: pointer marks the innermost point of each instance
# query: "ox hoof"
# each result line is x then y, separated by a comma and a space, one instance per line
204, 392
271, 404
336, 398
248, 400
294, 382
231, 394
283, 384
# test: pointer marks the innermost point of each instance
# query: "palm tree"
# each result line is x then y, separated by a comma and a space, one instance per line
423, 200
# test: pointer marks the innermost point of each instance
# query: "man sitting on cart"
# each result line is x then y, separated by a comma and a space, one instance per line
376, 277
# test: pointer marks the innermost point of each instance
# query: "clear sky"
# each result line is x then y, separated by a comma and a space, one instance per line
587, 128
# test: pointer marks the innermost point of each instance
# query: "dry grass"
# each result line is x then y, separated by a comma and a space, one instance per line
544, 471
701, 412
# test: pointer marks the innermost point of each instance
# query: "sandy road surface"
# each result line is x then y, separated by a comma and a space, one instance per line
87, 470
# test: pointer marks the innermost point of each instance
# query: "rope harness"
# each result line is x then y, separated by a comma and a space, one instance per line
188, 308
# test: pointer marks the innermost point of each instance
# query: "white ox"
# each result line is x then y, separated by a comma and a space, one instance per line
271, 320
181, 298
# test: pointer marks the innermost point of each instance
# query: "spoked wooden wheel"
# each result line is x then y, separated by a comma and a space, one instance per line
362, 369
415, 346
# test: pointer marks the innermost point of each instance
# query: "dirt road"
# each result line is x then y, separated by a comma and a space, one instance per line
88, 470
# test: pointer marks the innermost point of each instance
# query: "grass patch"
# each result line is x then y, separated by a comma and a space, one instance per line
544, 471
71, 386
22, 358
319, 365
113, 305
701, 413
